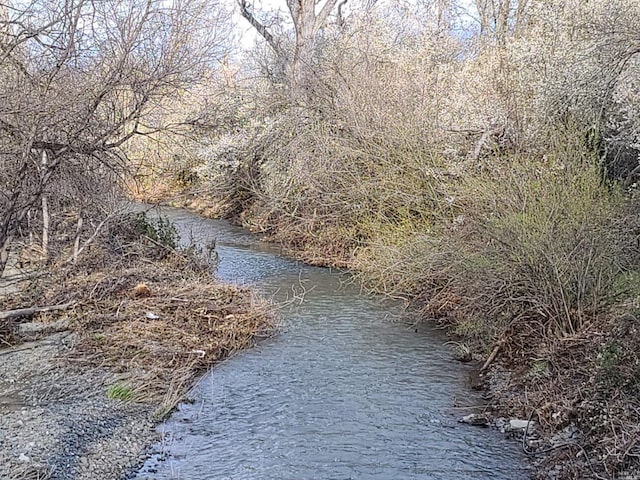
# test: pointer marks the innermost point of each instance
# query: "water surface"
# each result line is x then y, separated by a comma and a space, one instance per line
348, 390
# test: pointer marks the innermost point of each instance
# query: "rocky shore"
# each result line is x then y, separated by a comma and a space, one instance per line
56, 420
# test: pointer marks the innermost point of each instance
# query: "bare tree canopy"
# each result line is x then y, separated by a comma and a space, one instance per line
308, 17
79, 78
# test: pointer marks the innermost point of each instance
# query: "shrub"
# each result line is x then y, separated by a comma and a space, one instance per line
120, 391
529, 244
160, 230
546, 244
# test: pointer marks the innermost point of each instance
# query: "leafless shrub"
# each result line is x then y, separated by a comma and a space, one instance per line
79, 80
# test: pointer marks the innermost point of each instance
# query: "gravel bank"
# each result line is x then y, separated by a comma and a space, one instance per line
57, 422
115, 342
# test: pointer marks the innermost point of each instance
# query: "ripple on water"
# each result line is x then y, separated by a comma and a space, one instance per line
344, 392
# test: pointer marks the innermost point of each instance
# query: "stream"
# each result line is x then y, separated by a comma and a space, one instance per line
348, 389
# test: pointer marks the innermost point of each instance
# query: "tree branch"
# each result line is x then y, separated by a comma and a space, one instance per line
324, 13
262, 30
341, 22
27, 312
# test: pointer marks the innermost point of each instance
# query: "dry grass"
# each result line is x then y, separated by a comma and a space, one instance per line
155, 318
590, 380
30, 472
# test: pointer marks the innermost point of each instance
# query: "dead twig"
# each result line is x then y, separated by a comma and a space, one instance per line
493, 354
27, 312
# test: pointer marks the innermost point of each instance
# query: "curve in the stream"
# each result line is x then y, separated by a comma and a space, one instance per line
346, 391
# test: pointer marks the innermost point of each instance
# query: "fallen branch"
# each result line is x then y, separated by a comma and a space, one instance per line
27, 312
483, 142
493, 355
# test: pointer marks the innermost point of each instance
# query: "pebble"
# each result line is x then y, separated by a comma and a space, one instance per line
515, 424
72, 427
475, 419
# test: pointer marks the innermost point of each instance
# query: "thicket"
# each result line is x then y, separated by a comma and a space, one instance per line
80, 80
489, 174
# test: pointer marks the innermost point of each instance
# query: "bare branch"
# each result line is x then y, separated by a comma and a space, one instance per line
28, 312
260, 28
321, 18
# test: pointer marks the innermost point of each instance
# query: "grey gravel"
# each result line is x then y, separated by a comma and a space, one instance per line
56, 420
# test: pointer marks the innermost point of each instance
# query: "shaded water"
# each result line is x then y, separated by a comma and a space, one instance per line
345, 391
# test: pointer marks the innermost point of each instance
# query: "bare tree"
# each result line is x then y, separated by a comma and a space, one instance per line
79, 79
499, 17
308, 19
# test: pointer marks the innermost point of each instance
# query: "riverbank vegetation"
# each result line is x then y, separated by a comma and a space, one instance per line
80, 80
481, 162
151, 314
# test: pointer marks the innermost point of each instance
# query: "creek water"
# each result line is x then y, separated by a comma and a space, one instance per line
348, 388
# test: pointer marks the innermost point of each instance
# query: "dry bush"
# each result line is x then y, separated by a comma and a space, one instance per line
400, 104
200, 120
471, 175
323, 179
541, 260
79, 80
413, 136
587, 383
535, 242
545, 248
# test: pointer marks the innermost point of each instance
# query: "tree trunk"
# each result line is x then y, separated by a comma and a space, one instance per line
307, 25
45, 211
302, 66
484, 16
502, 21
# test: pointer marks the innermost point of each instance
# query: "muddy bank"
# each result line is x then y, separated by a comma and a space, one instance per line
84, 386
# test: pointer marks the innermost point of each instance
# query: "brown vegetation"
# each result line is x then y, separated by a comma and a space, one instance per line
81, 79
156, 337
487, 176
482, 163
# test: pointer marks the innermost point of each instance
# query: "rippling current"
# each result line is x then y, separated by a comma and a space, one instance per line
347, 390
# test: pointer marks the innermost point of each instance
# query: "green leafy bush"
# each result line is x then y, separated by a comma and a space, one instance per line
160, 230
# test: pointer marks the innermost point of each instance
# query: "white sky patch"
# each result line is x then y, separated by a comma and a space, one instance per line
246, 33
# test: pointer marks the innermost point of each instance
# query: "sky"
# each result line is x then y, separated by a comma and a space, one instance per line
247, 35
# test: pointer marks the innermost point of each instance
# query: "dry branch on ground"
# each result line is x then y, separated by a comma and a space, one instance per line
157, 342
